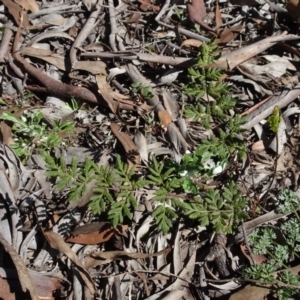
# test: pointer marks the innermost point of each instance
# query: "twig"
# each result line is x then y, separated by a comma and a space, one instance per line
256, 106
59, 9
155, 58
15, 68
7, 35
280, 100
56, 87
84, 32
163, 10
186, 32
167, 274
47, 35
113, 25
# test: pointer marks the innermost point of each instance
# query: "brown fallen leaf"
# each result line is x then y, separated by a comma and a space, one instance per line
45, 286
28, 5
191, 42
95, 233
106, 92
58, 243
23, 275
229, 34
165, 118
251, 292
17, 12
133, 156
219, 20
197, 12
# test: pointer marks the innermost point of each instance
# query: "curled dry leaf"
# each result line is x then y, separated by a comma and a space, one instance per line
24, 277
106, 92
129, 146
57, 242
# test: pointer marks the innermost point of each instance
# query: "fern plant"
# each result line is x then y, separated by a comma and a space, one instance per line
226, 144
221, 210
165, 200
204, 83
171, 187
116, 187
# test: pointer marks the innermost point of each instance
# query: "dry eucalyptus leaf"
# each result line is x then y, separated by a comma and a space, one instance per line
170, 104
118, 254
251, 292
276, 69
24, 277
90, 4
229, 34
219, 20
58, 243
29, 5
191, 42
16, 11
106, 92
94, 67
141, 143
284, 59
94, 233
129, 146
165, 118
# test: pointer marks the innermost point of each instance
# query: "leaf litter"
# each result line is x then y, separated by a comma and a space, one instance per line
97, 108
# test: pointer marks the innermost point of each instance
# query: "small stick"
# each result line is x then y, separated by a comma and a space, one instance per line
85, 31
